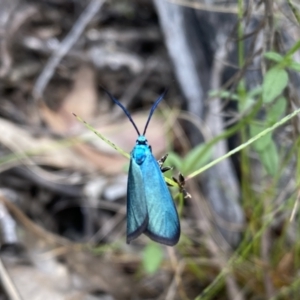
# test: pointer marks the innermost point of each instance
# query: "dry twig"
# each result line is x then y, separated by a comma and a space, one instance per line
65, 46
32, 227
7, 283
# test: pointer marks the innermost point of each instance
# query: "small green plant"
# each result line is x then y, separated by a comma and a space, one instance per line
152, 257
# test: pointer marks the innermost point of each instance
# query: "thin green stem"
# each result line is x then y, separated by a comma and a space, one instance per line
294, 10
246, 144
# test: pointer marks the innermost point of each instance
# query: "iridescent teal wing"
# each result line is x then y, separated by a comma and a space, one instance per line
137, 215
163, 222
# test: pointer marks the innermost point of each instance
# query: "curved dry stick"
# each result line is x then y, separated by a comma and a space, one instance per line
8, 284
65, 46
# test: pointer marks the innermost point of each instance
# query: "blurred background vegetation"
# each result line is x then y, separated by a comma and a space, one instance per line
232, 69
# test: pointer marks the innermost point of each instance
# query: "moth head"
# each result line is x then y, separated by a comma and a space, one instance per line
141, 140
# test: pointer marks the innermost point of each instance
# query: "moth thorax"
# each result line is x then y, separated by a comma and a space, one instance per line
139, 153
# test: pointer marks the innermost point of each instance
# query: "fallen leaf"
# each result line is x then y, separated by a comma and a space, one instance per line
82, 100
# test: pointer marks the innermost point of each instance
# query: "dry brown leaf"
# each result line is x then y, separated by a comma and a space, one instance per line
48, 152
108, 164
57, 121
286, 264
81, 100
283, 275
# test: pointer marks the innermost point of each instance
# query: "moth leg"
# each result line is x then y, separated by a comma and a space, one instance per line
181, 183
180, 180
165, 169
161, 162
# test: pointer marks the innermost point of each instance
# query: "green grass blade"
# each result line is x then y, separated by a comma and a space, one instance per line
88, 126
246, 144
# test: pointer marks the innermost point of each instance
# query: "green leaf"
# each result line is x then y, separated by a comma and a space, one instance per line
152, 257
276, 111
263, 142
250, 99
246, 105
273, 56
294, 65
174, 160
223, 94
195, 159
255, 92
270, 159
274, 83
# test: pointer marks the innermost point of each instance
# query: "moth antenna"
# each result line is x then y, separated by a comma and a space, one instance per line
153, 108
123, 108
